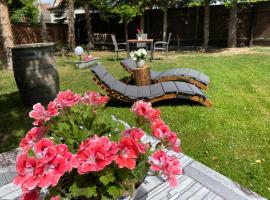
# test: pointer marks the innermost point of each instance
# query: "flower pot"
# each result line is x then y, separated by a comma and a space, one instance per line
142, 36
140, 63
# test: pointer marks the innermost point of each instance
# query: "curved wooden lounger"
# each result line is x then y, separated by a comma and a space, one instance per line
197, 78
153, 93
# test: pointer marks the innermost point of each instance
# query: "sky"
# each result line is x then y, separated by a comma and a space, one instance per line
47, 1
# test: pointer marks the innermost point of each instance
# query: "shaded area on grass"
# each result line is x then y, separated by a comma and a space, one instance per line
14, 120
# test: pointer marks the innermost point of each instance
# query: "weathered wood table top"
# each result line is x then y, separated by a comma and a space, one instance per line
198, 182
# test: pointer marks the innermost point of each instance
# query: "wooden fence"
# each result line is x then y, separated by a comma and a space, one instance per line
186, 25
31, 33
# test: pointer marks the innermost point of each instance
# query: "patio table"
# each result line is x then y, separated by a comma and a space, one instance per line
151, 41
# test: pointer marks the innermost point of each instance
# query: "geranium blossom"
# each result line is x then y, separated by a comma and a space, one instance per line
31, 195
26, 169
145, 109
55, 198
67, 99
168, 165
94, 154
128, 153
52, 110
94, 98
136, 134
45, 150
32, 136
39, 114
159, 129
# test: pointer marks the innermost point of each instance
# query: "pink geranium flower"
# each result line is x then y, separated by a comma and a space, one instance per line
128, 153
52, 172
94, 98
159, 129
45, 150
62, 150
52, 109
26, 169
173, 142
94, 154
67, 99
140, 108
55, 198
168, 165
32, 136
31, 195
39, 114
136, 134
145, 109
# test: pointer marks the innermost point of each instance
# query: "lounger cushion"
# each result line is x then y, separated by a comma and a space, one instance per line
108, 80
156, 90
184, 88
119, 87
144, 92
131, 91
169, 87
99, 71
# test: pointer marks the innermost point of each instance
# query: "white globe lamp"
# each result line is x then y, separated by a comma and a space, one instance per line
79, 51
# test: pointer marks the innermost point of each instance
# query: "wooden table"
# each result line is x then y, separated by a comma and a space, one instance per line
151, 41
142, 75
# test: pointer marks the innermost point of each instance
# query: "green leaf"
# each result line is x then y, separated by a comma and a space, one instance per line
114, 191
106, 179
90, 191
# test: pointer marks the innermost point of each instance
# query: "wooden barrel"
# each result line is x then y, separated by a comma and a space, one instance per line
35, 73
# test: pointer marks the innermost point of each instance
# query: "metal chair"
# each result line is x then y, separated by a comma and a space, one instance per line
163, 46
116, 45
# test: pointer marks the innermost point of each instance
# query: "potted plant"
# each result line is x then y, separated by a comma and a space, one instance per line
140, 35
139, 56
75, 152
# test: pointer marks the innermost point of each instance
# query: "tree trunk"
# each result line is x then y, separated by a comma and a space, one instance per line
165, 14
6, 34
71, 26
232, 27
126, 35
206, 25
253, 26
142, 22
196, 25
88, 26
44, 34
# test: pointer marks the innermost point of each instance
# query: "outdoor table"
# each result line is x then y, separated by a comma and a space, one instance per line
142, 76
141, 41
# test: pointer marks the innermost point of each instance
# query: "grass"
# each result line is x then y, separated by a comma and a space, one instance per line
232, 137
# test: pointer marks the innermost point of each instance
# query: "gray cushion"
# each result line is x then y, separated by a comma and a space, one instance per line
184, 88
108, 80
144, 92
169, 87
156, 90
99, 71
119, 87
131, 91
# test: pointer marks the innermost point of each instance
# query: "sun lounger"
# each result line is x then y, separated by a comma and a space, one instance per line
178, 74
153, 93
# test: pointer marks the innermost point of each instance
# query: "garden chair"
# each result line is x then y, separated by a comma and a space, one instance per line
197, 78
152, 93
116, 45
163, 46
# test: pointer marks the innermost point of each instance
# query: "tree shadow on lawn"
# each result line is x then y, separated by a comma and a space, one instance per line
169, 102
14, 121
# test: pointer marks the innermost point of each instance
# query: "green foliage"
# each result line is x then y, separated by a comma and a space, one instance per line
88, 192
107, 178
23, 11
126, 12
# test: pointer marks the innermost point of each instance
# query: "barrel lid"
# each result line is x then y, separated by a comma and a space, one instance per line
33, 45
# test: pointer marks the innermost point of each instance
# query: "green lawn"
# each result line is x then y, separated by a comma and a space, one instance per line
232, 137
